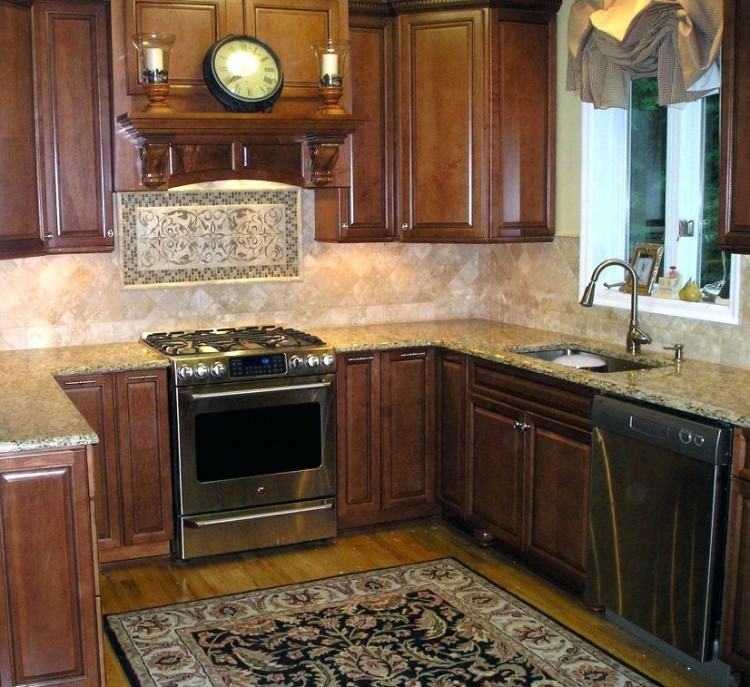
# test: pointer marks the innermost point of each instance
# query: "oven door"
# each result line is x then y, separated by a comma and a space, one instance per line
255, 443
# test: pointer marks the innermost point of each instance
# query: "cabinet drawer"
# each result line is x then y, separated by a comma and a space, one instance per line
550, 397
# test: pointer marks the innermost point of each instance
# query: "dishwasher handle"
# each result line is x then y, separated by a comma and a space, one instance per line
702, 440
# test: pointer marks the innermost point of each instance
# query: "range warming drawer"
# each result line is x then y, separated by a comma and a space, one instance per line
256, 528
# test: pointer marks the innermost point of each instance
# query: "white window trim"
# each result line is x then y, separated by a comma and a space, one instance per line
607, 168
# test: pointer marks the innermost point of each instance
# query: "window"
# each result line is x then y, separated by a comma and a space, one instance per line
651, 175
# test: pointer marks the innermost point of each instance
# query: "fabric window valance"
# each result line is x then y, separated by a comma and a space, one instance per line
612, 42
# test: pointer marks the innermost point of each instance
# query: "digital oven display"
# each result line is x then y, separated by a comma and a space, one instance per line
251, 365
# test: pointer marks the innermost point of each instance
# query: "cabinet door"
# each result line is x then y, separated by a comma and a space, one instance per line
94, 397
47, 571
290, 27
557, 500
442, 104
523, 125
365, 211
408, 429
496, 450
735, 628
197, 24
145, 476
72, 65
20, 188
451, 422
359, 473
734, 212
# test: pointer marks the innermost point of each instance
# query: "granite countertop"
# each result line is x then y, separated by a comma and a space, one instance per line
707, 389
35, 413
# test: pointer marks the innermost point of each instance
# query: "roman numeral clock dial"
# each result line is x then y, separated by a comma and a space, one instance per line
243, 74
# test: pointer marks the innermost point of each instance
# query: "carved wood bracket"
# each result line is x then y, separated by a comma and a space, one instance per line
180, 148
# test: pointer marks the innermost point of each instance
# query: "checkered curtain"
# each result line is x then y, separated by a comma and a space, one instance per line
612, 42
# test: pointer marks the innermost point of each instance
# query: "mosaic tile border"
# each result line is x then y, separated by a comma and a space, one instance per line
135, 277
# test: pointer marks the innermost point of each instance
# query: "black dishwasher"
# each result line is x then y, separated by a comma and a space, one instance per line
658, 496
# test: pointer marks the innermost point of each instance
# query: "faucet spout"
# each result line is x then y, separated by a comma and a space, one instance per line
636, 337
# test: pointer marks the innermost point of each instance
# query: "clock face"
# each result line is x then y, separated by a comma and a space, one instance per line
243, 73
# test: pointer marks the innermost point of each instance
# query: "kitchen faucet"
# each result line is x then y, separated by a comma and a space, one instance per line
636, 336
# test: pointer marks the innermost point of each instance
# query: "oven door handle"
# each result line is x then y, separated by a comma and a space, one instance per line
208, 521
248, 392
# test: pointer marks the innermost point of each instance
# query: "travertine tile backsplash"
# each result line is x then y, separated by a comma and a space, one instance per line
78, 299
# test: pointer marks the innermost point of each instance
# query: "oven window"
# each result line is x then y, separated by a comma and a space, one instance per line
257, 441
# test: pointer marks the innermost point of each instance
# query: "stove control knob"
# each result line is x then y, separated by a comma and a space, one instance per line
201, 371
313, 360
218, 369
328, 360
296, 362
185, 372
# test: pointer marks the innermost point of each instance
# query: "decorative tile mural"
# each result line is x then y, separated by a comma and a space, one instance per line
183, 237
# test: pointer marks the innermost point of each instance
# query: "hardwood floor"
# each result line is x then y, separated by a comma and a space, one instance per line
134, 585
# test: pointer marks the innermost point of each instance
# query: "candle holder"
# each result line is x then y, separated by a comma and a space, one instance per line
153, 66
331, 56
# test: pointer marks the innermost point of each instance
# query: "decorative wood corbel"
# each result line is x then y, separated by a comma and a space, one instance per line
322, 157
154, 157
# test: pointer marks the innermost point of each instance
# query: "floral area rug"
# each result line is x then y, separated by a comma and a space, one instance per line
435, 624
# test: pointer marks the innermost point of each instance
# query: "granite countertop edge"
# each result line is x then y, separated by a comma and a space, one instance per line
40, 416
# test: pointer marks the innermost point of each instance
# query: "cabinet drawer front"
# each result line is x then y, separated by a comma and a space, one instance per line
549, 398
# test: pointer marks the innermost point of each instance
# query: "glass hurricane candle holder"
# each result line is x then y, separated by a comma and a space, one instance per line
331, 56
153, 66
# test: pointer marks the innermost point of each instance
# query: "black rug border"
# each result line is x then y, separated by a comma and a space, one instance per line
130, 672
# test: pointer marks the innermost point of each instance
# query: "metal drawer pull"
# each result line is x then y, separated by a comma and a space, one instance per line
82, 381
264, 390
521, 426
361, 359
422, 354
256, 516
135, 378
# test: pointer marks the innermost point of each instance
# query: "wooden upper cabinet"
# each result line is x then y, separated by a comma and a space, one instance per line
523, 126
72, 62
365, 211
20, 188
290, 27
442, 58
734, 212
197, 24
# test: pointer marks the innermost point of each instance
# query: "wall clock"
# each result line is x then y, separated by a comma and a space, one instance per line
243, 74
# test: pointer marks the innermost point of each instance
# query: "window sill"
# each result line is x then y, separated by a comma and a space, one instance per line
708, 312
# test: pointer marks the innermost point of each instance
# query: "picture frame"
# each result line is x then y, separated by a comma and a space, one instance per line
646, 262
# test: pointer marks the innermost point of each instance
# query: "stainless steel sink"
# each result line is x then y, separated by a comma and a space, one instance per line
614, 364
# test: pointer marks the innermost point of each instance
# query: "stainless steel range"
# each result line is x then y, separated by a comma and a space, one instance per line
254, 437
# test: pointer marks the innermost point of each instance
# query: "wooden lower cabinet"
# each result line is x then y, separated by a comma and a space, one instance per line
133, 504
735, 627
386, 431
49, 633
450, 381
529, 471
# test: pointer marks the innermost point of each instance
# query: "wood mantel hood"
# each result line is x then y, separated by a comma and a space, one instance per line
179, 148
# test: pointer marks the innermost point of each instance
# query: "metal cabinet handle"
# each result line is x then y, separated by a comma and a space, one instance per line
109, 233
48, 237
78, 382
135, 378
405, 226
344, 225
361, 359
421, 354
521, 426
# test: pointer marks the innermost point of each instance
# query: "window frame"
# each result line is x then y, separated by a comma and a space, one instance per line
605, 164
